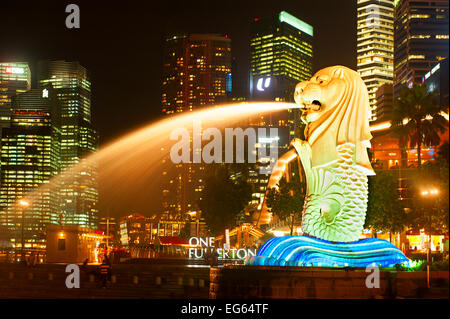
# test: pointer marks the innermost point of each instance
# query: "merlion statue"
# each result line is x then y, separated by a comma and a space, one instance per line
334, 158
335, 106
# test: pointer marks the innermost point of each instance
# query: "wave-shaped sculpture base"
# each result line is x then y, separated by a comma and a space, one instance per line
308, 251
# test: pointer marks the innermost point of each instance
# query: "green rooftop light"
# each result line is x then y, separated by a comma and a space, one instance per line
295, 22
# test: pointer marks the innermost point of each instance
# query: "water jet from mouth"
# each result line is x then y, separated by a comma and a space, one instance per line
130, 168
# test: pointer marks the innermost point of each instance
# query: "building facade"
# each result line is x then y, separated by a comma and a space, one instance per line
29, 158
384, 102
196, 74
78, 193
437, 80
15, 78
281, 56
420, 39
281, 53
73, 244
375, 46
140, 231
269, 149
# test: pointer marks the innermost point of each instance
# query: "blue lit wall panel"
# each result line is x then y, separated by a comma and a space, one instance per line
307, 251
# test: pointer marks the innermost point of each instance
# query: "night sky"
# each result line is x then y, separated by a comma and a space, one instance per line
120, 43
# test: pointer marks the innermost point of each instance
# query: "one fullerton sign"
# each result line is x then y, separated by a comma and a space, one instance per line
201, 245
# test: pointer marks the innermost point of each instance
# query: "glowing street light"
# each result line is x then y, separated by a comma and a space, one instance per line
24, 203
431, 192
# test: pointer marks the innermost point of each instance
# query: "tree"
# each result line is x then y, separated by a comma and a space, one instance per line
286, 200
431, 212
225, 195
384, 209
423, 112
443, 151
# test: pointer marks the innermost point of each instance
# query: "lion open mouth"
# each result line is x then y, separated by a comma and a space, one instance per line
316, 105
313, 106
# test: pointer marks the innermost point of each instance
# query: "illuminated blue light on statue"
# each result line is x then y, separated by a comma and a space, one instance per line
307, 251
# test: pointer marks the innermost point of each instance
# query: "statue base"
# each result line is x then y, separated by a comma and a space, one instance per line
309, 251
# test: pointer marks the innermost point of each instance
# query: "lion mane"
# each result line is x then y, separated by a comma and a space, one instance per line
347, 121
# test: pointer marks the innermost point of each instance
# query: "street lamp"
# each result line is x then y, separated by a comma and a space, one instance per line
24, 204
429, 193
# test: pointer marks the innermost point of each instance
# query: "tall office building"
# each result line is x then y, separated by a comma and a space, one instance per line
29, 158
437, 80
281, 49
196, 70
71, 87
385, 102
237, 81
281, 53
420, 39
375, 46
15, 77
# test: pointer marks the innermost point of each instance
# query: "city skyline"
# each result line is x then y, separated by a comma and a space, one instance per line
292, 34
47, 130
205, 149
107, 38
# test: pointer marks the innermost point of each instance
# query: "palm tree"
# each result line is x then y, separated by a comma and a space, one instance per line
423, 112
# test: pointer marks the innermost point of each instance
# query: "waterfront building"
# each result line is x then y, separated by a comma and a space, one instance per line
375, 46
29, 158
196, 74
384, 102
78, 193
15, 78
420, 40
281, 56
72, 244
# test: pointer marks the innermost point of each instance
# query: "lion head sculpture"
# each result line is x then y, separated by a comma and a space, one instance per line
335, 105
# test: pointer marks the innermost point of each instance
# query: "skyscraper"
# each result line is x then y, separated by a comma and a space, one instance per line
375, 46
195, 71
15, 77
280, 48
281, 53
421, 39
195, 74
385, 102
71, 87
437, 80
29, 158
